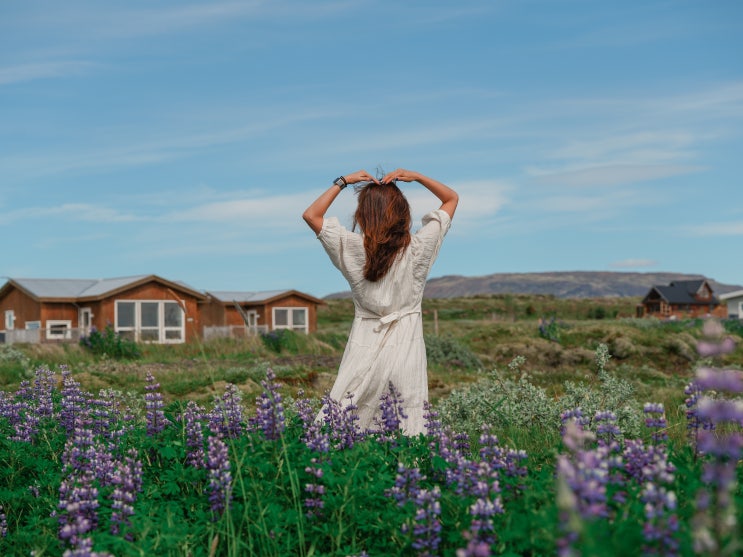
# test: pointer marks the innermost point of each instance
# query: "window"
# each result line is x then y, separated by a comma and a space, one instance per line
290, 318
33, 325
58, 329
150, 321
9, 319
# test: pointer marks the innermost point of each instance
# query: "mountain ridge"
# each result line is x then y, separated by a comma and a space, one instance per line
561, 284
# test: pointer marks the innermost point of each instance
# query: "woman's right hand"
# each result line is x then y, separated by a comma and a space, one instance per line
401, 175
360, 176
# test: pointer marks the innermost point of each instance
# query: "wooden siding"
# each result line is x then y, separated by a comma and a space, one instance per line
24, 308
224, 314
156, 292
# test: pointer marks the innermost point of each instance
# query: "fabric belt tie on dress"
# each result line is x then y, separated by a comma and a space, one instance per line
386, 320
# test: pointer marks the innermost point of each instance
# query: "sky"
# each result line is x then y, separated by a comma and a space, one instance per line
185, 139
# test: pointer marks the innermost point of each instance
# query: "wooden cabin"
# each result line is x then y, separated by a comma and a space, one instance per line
682, 299
234, 313
144, 308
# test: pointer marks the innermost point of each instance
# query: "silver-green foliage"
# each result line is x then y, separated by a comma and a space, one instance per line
449, 352
503, 402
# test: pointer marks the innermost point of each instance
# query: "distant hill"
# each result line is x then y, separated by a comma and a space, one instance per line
564, 284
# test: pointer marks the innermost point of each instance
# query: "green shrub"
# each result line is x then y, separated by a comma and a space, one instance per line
507, 403
111, 344
449, 352
280, 339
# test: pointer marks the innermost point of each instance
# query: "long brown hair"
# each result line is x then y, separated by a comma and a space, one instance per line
383, 214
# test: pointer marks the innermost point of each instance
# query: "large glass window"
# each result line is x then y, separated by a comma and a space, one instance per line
151, 321
290, 318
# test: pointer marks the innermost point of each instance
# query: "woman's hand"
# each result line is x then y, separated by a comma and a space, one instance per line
360, 176
401, 175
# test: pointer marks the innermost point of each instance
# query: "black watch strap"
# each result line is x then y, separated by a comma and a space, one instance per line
340, 181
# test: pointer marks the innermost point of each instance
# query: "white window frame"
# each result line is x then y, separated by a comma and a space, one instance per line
66, 335
33, 325
9, 319
290, 318
161, 329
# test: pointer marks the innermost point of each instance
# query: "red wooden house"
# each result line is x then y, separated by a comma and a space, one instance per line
682, 299
230, 313
144, 308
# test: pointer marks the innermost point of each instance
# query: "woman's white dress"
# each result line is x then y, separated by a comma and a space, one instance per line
386, 339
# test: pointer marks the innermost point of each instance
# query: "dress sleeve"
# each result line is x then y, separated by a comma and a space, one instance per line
345, 249
427, 241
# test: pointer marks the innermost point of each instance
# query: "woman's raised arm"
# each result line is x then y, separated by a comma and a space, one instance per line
449, 198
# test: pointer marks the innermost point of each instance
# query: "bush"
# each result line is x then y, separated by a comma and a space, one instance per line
506, 403
111, 344
279, 340
447, 351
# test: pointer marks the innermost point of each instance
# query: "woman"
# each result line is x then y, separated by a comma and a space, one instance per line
386, 268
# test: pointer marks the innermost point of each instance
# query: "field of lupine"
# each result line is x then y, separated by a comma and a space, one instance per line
108, 474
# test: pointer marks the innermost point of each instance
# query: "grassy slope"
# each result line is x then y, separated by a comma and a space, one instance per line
660, 358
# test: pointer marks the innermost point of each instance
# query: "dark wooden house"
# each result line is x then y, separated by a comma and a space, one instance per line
682, 299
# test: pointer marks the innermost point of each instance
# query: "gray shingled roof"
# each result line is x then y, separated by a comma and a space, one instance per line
78, 288
682, 292
246, 297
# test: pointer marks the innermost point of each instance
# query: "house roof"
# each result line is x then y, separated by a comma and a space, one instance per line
731, 295
231, 296
682, 292
88, 289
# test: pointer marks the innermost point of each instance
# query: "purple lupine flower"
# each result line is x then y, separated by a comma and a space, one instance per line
25, 422
79, 453
407, 484
104, 464
105, 415
313, 435
714, 523
342, 420
693, 422
607, 430
220, 477
426, 527
507, 461
225, 419
78, 506
655, 420
575, 415
128, 483
42, 392
73, 406
392, 413
661, 521
269, 415
3, 523
725, 380
586, 472
315, 490
84, 548
433, 424
475, 549
192, 423
156, 420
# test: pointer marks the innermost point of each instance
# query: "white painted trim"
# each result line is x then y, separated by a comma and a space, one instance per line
67, 334
290, 318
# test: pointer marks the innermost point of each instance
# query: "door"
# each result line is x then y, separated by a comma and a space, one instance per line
85, 321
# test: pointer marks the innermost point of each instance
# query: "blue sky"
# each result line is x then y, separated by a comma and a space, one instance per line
185, 139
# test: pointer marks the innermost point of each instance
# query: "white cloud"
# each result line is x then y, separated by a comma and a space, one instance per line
610, 174
69, 211
633, 264
43, 70
717, 229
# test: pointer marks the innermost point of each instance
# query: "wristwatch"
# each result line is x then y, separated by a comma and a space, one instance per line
340, 181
